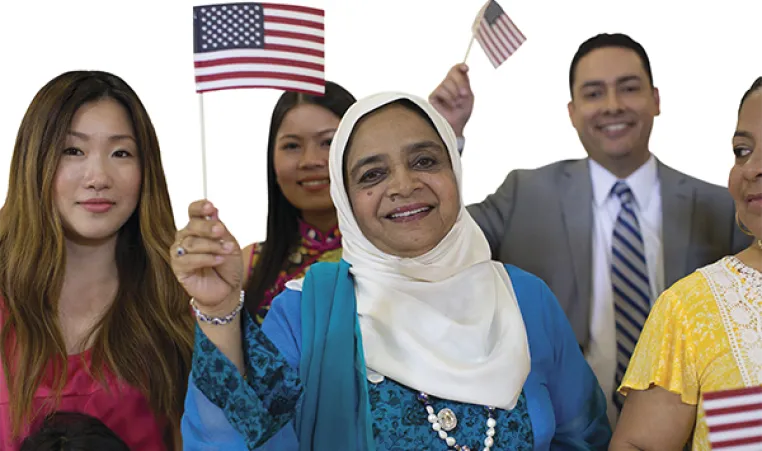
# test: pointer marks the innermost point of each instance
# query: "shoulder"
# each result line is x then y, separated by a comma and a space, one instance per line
702, 187
536, 182
286, 305
690, 296
536, 300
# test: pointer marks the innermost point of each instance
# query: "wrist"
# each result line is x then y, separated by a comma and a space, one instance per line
223, 313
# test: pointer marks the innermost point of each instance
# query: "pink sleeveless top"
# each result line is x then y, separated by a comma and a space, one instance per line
119, 406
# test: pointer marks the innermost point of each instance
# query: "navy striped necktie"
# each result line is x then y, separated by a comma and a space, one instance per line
629, 279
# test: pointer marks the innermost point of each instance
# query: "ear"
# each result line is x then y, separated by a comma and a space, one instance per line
657, 101
572, 110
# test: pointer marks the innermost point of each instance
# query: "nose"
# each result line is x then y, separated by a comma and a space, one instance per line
752, 169
313, 157
97, 175
613, 102
403, 183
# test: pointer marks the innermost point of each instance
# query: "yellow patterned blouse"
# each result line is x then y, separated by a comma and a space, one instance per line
702, 336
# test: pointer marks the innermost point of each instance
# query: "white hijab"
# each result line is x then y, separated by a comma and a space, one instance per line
446, 323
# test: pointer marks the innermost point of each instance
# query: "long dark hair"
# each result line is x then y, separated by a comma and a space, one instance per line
282, 216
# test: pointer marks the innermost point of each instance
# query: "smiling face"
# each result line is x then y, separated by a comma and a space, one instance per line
98, 179
400, 182
301, 157
613, 106
745, 181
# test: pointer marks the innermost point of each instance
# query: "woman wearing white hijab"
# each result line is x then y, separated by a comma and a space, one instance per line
415, 340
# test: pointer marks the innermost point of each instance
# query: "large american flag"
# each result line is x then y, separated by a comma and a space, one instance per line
734, 418
496, 33
259, 45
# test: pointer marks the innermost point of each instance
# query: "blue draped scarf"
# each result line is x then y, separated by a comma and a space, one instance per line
331, 416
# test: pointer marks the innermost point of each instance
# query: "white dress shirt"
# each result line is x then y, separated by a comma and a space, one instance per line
644, 183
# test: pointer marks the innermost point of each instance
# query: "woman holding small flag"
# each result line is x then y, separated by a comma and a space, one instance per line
414, 340
696, 374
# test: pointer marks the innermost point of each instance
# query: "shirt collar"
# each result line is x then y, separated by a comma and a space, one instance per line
641, 182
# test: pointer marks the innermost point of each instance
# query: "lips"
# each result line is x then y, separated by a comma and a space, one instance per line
409, 212
315, 184
97, 205
615, 129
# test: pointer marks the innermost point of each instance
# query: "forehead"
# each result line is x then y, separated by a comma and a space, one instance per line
102, 114
387, 130
306, 118
750, 116
608, 64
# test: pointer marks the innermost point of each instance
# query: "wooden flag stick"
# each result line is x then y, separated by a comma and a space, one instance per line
203, 142
470, 43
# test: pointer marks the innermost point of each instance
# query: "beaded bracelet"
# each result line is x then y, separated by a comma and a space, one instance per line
217, 320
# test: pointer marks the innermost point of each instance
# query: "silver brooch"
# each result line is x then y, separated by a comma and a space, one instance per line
447, 419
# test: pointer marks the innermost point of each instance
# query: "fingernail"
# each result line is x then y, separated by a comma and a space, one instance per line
228, 246
217, 229
463, 92
219, 259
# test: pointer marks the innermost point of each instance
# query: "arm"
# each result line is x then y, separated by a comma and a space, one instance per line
581, 421
662, 383
653, 419
255, 408
493, 213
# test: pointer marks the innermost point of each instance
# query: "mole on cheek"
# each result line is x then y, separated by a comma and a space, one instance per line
369, 193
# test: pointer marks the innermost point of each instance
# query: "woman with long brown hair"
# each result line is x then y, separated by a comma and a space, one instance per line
92, 319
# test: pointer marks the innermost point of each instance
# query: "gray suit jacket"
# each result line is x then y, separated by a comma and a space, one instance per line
541, 220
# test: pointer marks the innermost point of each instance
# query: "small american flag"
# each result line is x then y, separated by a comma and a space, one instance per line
496, 33
734, 418
259, 45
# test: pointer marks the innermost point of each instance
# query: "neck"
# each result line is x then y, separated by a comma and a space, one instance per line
752, 255
90, 279
324, 221
625, 166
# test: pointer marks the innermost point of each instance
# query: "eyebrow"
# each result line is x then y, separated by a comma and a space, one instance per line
322, 132
598, 83
410, 148
86, 137
742, 134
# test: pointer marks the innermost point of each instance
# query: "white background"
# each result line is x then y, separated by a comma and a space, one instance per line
704, 56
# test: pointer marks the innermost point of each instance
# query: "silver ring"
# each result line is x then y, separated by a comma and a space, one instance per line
180, 251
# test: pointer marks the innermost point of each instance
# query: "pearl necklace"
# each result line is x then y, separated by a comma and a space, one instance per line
445, 421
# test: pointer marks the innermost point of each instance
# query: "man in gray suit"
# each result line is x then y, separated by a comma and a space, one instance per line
607, 233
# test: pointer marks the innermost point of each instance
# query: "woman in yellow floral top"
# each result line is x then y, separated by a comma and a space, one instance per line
301, 220
704, 333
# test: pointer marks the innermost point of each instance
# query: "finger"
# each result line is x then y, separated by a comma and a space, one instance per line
458, 76
204, 228
195, 245
441, 95
201, 209
196, 262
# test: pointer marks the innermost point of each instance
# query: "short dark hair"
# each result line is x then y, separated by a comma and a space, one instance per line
604, 40
70, 431
754, 87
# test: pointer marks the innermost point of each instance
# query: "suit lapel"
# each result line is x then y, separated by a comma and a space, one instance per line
576, 205
677, 211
